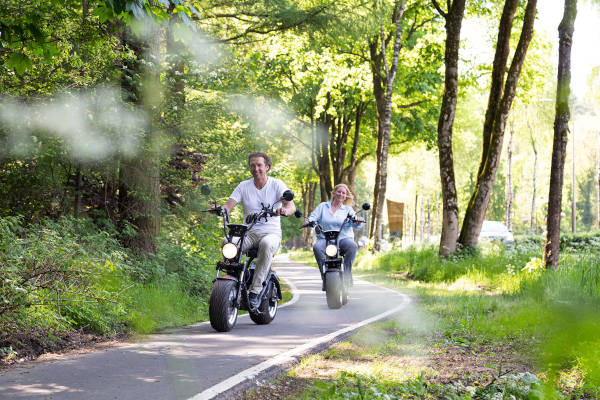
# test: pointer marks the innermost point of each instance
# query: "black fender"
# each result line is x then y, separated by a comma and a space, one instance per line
275, 279
225, 278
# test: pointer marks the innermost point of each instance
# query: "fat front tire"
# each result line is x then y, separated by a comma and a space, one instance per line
267, 308
345, 288
333, 289
222, 308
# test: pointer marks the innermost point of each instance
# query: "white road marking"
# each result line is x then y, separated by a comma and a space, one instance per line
289, 356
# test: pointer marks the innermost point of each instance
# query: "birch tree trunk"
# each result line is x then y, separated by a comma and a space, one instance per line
308, 199
532, 226
573, 185
561, 131
500, 102
428, 217
509, 188
449, 222
598, 181
416, 217
422, 222
383, 96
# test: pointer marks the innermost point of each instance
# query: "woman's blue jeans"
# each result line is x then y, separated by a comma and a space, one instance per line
347, 248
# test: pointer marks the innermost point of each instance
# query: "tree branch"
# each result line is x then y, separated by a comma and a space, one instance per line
416, 103
439, 9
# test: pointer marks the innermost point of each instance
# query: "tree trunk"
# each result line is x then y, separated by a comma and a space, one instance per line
309, 190
349, 172
449, 223
77, 204
561, 130
573, 185
532, 226
498, 106
598, 181
429, 217
320, 144
384, 115
175, 93
509, 188
422, 222
416, 218
140, 176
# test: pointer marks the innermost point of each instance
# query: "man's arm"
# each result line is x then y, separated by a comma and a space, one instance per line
229, 204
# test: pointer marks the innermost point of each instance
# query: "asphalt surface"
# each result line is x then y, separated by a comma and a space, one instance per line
194, 362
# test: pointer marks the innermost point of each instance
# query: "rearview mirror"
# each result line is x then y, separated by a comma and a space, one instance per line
298, 213
205, 189
366, 206
288, 195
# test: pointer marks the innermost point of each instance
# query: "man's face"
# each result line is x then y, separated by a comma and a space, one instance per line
258, 168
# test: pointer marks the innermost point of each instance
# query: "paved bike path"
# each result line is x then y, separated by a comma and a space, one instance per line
188, 362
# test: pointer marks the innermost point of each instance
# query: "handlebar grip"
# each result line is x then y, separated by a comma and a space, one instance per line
217, 211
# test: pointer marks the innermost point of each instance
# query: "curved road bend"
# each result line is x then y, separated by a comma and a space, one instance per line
195, 361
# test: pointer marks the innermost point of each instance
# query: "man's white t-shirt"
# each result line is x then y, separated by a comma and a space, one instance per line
251, 199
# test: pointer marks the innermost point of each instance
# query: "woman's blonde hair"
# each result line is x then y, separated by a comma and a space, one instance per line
349, 197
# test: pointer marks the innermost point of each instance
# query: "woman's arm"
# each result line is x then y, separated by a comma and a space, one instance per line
315, 215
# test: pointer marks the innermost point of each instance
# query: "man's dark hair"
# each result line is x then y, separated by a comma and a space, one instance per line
260, 154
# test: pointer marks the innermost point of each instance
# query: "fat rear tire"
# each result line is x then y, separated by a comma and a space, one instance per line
333, 289
267, 308
222, 308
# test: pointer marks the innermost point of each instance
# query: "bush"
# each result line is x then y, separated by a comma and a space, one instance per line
569, 242
63, 270
70, 275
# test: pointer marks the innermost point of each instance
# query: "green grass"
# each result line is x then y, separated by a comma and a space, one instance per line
165, 304
498, 297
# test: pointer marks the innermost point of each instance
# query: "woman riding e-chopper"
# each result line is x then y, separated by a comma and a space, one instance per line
331, 216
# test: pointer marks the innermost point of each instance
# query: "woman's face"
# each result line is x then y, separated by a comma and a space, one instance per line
340, 194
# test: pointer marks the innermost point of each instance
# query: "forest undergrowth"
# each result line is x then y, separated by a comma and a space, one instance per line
70, 282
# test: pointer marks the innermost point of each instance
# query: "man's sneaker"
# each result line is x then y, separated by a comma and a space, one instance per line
254, 300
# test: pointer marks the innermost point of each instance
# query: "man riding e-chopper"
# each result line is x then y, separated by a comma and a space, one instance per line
254, 193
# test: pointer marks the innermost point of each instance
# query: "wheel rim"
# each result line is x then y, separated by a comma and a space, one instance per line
232, 309
273, 303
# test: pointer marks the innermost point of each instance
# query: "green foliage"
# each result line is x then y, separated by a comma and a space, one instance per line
69, 275
65, 269
356, 386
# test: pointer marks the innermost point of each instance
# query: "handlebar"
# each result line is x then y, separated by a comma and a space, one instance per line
319, 228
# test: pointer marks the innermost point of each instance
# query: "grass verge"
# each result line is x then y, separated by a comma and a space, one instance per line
504, 328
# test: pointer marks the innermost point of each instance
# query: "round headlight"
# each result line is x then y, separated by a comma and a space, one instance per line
229, 250
331, 250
